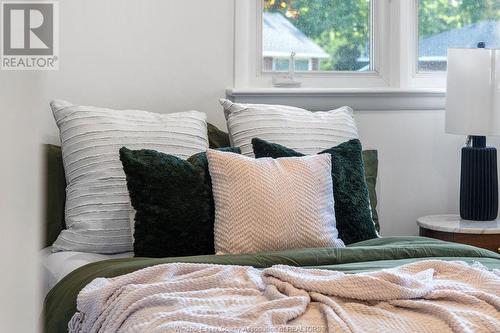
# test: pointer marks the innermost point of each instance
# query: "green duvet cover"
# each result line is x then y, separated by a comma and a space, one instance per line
375, 254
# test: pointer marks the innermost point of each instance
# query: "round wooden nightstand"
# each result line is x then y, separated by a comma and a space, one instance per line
452, 228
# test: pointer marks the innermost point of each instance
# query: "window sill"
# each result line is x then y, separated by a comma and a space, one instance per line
375, 99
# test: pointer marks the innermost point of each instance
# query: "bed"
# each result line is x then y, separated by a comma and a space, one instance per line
371, 255
67, 273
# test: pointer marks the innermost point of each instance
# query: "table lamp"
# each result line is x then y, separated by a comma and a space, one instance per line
473, 109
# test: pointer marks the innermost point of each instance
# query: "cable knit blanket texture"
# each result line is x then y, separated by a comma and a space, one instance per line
425, 296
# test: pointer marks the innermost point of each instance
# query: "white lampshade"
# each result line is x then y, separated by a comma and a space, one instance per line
473, 92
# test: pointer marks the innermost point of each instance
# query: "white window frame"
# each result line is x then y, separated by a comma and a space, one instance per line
394, 48
410, 77
248, 52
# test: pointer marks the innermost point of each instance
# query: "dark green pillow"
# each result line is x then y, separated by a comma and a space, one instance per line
370, 160
217, 138
55, 193
352, 205
173, 202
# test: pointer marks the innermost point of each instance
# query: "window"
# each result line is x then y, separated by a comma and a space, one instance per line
325, 35
444, 24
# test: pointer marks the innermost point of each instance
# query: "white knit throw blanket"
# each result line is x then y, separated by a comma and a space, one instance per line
425, 296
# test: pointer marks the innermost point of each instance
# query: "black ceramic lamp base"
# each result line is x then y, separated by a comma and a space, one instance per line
479, 182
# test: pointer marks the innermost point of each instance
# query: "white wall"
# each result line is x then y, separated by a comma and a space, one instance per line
419, 166
168, 56
19, 201
159, 55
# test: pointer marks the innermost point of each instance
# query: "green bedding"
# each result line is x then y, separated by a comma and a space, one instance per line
374, 254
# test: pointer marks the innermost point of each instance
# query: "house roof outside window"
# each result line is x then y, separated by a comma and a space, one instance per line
435, 48
280, 38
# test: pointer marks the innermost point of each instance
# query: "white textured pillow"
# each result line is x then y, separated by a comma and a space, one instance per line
97, 200
272, 204
301, 130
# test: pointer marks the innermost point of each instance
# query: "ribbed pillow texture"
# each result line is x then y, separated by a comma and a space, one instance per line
97, 200
298, 129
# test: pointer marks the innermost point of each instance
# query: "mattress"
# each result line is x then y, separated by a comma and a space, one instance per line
57, 265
